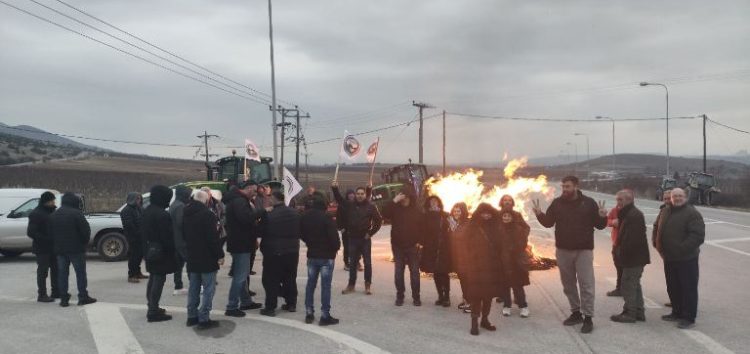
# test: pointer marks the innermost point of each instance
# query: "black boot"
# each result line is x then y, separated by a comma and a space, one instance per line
86, 300
64, 300
474, 326
44, 298
487, 325
447, 299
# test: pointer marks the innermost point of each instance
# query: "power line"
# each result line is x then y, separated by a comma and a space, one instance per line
96, 139
376, 130
250, 98
167, 51
727, 126
535, 119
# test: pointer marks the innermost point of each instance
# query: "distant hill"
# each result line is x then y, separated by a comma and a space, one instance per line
33, 133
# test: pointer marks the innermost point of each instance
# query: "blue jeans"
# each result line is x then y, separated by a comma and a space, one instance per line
324, 267
208, 282
359, 247
238, 294
79, 265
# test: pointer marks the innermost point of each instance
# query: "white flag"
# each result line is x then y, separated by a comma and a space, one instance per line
252, 152
350, 147
372, 151
291, 186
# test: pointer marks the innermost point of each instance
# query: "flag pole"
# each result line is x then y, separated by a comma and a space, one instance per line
336, 174
372, 166
244, 169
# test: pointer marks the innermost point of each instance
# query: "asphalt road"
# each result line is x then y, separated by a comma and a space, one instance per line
117, 324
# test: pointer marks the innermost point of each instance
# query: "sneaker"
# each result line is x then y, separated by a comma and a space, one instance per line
417, 302
614, 293
86, 300
574, 319
349, 289
208, 325
328, 321
134, 280
525, 312
177, 292
159, 317
467, 310
310, 318
506, 311
671, 317
685, 324
289, 308
44, 298
588, 325
623, 318
251, 306
268, 312
235, 313
463, 305
191, 321
399, 302
142, 276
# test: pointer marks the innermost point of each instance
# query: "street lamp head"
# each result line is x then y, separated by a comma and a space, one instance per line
644, 83
578, 134
598, 117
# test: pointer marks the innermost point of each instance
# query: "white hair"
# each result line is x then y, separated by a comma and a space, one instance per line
201, 196
206, 189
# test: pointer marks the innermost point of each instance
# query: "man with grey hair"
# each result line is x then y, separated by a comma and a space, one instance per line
631, 250
677, 236
204, 256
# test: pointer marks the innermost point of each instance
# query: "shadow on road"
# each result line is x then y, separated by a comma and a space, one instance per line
225, 328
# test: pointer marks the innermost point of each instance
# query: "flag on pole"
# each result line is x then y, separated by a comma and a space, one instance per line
252, 152
291, 186
350, 147
372, 151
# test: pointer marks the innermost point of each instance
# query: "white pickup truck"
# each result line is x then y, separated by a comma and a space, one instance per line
107, 237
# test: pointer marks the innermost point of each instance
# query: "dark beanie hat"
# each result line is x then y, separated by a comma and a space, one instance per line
46, 197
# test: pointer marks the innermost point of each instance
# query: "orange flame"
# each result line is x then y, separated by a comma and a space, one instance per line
466, 187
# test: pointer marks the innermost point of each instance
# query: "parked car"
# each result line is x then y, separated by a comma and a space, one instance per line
107, 237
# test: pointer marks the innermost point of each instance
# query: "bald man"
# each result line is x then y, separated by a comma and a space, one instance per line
631, 250
680, 233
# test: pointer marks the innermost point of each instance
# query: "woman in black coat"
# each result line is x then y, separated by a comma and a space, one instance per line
161, 258
514, 238
436, 254
477, 263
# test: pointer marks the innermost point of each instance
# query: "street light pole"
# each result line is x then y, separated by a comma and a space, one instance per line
274, 123
588, 155
667, 118
614, 155
575, 147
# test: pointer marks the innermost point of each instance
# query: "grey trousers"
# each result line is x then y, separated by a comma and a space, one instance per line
577, 272
631, 290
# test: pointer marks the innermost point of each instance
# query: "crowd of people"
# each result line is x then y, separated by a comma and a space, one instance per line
487, 249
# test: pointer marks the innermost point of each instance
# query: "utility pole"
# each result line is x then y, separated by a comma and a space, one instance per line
421, 106
307, 169
205, 137
297, 140
274, 126
705, 118
444, 171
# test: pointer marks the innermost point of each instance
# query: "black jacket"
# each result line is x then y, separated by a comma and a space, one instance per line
514, 239
70, 230
131, 216
574, 221
281, 233
156, 227
319, 232
436, 255
361, 218
38, 229
177, 212
631, 248
681, 233
202, 241
406, 224
242, 220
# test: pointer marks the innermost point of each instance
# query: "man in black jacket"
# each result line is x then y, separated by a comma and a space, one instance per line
131, 216
631, 250
176, 212
161, 257
280, 248
680, 232
363, 221
574, 217
322, 240
242, 218
204, 256
406, 236
71, 234
42, 245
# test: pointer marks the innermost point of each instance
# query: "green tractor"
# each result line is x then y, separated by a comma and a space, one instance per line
229, 170
399, 177
667, 184
701, 188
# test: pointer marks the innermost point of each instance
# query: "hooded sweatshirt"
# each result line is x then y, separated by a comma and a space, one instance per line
176, 212
70, 230
156, 227
38, 228
131, 218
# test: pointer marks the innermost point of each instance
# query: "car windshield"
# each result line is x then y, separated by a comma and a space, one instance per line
10, 203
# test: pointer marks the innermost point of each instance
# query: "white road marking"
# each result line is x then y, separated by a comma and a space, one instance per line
731, 240
706, 341
111, 332
582, 345
646, 301
713, 243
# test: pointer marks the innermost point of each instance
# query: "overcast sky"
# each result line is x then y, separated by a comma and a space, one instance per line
357, 65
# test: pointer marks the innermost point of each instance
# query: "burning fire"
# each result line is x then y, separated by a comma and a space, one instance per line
467, 187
